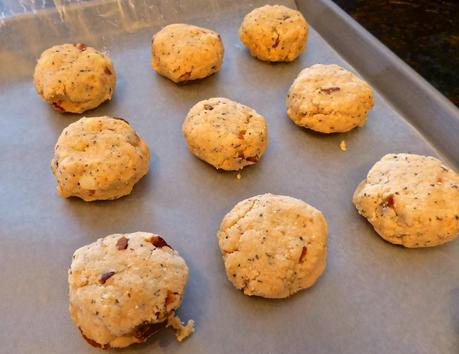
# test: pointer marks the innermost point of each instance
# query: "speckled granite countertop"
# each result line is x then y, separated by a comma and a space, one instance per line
424, 33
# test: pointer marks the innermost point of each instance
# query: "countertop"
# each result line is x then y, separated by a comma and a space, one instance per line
424, 33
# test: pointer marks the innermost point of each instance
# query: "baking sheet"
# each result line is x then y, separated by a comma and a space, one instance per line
374, 297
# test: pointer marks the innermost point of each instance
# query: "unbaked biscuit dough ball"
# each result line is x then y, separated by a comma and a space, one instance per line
225, 134
329, 99
274, 33
123, 288
74, 77
184, 52
99, 158
411, 200
273, 246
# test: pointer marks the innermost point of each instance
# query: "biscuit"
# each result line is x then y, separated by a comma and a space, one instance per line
123, 288
411, 200
273, 246
184, 52
74, 78
99, 158
274, 33
225, 134
329, 99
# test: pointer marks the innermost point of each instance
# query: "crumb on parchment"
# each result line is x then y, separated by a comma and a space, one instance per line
342, 145
238, 176
181, 330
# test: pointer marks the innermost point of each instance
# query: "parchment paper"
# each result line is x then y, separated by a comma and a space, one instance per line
374, 297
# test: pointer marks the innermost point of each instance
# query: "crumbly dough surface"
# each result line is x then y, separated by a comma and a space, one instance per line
273, 246
99, 158
74, 77
125, 287
274, 33
411, 200
225, 134
184, 52
329, 99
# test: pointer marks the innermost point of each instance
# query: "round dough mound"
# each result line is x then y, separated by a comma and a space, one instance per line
329, 99
74, 78
411, 200
125, 287
273, 245
225, 134
274, 33
183, 52
99, 158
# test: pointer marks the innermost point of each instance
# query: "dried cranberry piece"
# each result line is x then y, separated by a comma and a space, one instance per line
158, 241
104, 277
329, 90
122, 243
304, 251
81, 46
57, 106
389, 202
